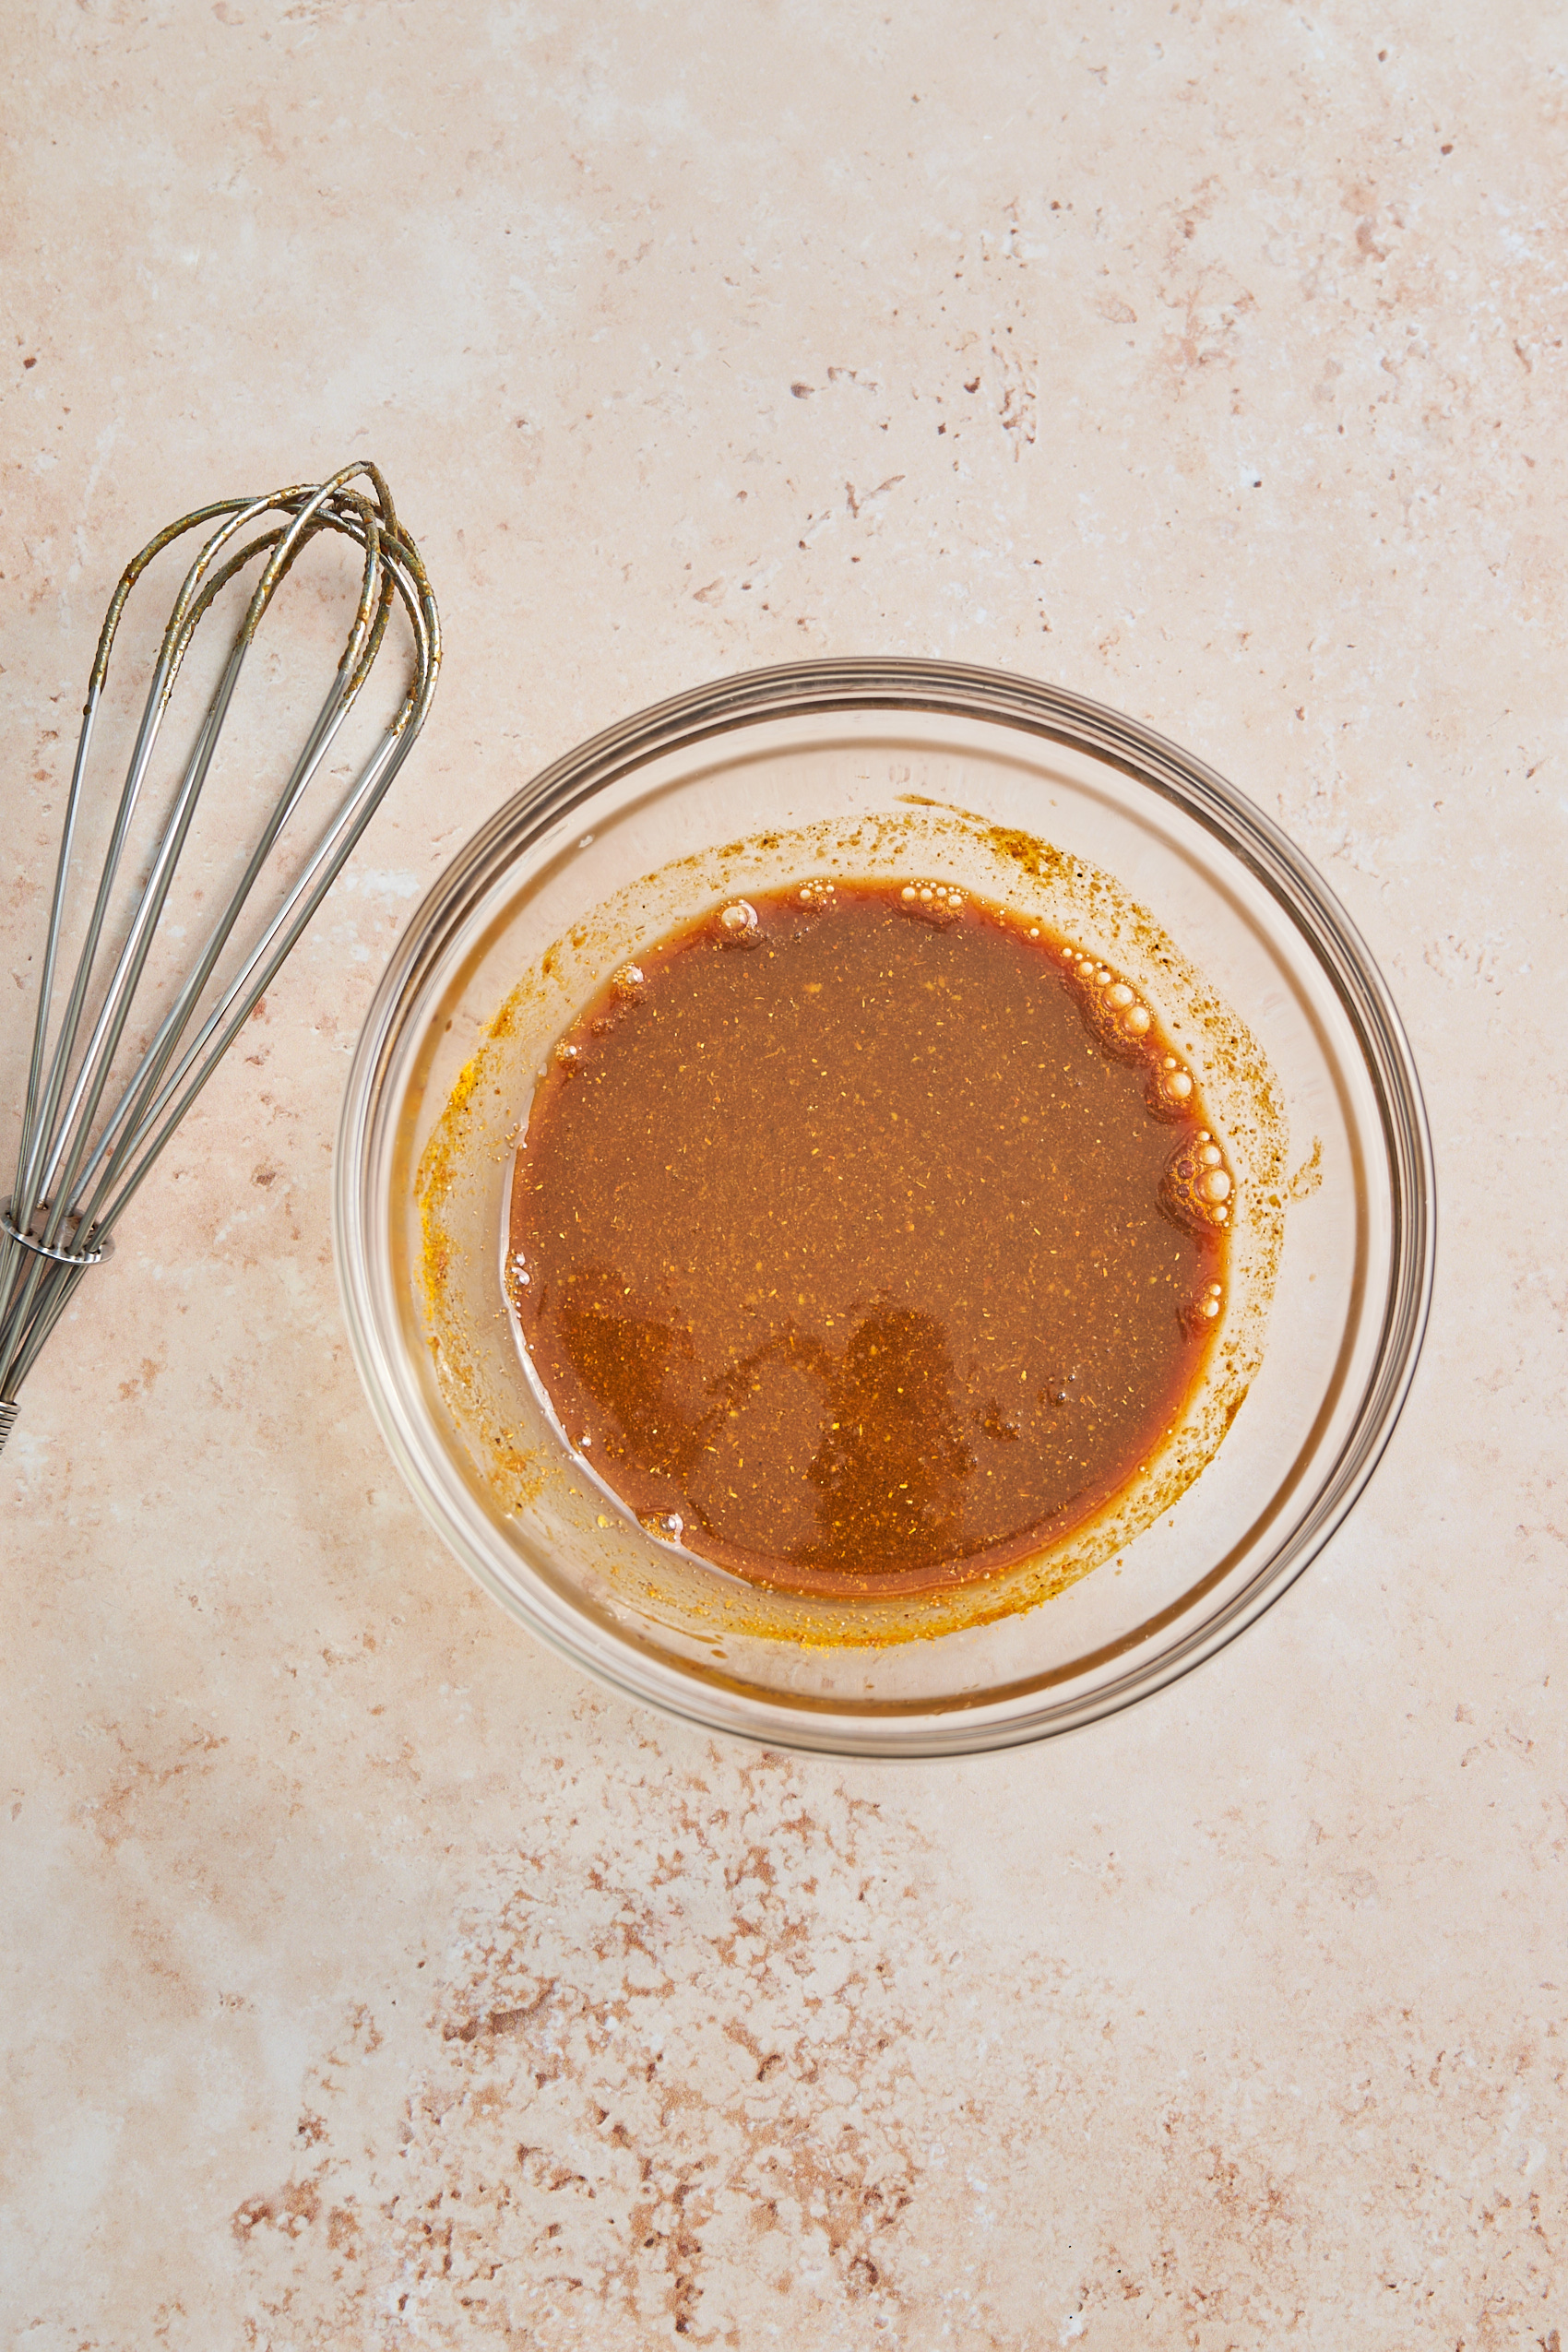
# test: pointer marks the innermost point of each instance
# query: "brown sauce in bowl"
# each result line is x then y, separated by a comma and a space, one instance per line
866, 1238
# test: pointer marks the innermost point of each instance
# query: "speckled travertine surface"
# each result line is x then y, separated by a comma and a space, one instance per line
373, 1981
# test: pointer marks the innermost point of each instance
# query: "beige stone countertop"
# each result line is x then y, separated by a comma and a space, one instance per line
374, 1981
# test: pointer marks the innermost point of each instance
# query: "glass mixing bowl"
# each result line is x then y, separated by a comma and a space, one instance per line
719, 774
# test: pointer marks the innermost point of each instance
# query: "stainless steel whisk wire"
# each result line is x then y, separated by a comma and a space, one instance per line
76, 1175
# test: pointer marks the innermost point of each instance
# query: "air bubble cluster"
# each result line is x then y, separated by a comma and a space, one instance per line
1198, 1187
1116, 1013
629, 981
666, 1527
934, 902
1121, 1019
1201, 1315
816, 894
1171, 1086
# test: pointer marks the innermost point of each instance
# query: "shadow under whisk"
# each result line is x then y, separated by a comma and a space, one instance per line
128, 1029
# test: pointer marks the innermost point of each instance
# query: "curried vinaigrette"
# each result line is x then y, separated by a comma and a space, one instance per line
866, 1238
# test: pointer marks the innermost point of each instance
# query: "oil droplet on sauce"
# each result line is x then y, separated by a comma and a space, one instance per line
878, 1257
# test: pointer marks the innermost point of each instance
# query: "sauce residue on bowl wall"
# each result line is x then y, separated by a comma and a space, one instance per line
867, 1237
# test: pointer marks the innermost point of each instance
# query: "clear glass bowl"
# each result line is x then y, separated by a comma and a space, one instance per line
829, 743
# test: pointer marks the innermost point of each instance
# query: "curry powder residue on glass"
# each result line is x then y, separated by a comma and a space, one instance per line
866, 1238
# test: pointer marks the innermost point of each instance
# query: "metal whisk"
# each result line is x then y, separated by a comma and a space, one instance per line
85, 1146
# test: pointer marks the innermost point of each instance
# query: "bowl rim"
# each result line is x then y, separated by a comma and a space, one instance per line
852, 684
